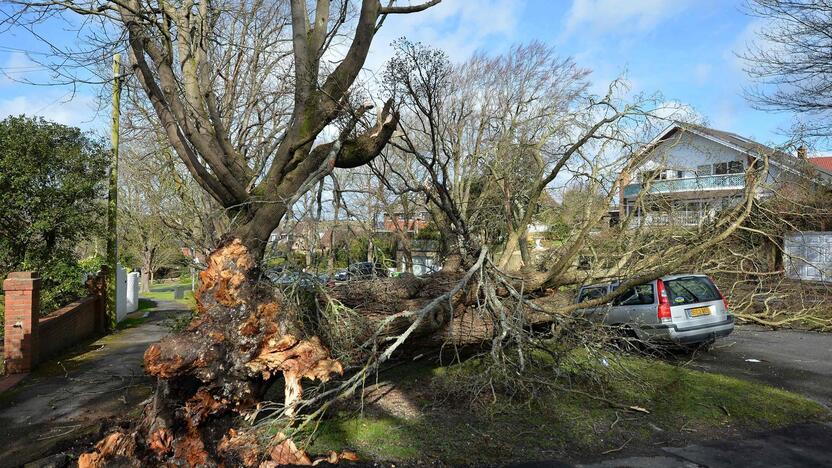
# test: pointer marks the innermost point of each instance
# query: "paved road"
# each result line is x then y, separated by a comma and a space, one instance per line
792, 360
53, 407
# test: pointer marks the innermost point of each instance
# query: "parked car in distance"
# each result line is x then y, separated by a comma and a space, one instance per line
361, 270
285, 278
684, 309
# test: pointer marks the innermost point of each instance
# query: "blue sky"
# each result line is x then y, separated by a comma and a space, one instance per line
683, 49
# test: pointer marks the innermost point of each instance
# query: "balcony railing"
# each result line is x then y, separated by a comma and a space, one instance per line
689, 184
683, 218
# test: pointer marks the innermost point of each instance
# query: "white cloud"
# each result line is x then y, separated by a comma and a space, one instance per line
726, 115
676, 110
597, 17
749, 39
459, 27
79, 111
17, 67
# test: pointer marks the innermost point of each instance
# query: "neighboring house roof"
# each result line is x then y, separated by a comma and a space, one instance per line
822, 162
738, 141
741, 144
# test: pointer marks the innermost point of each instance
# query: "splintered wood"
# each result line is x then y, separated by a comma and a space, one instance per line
243, 337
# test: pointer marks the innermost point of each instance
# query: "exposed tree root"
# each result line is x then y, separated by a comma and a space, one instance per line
244, 336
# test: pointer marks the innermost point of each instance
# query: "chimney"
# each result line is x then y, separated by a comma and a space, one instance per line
802, 152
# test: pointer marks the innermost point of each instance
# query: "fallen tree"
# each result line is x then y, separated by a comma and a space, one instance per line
249, 336
242, 92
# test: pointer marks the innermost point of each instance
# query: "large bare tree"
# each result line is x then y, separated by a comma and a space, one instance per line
789, 61
256, 99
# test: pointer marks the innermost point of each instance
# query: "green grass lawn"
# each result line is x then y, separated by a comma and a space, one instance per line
423, 417
165, 292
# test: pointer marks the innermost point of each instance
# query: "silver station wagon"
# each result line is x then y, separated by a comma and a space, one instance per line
685, 309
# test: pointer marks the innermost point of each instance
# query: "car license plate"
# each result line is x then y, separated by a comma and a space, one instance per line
699, 311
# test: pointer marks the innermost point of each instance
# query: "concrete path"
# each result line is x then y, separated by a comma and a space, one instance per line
69, 398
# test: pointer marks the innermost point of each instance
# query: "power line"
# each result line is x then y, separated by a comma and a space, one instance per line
24, 51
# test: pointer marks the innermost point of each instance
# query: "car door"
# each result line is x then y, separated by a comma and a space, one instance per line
589, 293
635, 307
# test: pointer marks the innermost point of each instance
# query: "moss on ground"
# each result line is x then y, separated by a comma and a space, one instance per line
683, 405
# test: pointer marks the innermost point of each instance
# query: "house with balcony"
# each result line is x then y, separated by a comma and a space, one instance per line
691, 172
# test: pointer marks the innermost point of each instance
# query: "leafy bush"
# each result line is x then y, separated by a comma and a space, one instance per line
52, 187
92, 264
62, 281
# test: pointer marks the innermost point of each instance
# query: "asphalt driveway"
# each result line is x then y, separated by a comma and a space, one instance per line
792, 360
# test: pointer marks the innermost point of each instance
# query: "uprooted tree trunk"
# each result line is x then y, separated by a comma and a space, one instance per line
247, 336
243, 338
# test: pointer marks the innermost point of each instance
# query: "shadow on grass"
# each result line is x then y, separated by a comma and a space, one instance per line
427, 413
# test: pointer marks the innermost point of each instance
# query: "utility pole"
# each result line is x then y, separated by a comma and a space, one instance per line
112, 201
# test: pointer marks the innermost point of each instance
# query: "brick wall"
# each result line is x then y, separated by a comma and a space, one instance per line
30, 338
66, 327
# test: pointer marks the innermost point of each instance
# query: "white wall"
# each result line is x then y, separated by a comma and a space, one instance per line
132, 292
686, 151
127, 292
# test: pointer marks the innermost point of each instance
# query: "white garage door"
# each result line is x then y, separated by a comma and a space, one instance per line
808, 256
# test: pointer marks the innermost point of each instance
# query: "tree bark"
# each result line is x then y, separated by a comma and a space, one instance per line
145, 286
523, 244
147, 269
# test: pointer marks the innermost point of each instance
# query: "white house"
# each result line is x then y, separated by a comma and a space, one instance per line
691, 172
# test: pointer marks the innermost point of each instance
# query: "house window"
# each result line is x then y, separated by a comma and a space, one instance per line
705, 170
730, 167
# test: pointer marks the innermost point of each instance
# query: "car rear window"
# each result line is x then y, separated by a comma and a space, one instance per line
690, 290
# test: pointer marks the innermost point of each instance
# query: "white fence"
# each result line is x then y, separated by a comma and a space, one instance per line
127, 292
808, 256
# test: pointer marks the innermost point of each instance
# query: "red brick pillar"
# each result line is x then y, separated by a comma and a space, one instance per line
22, 291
